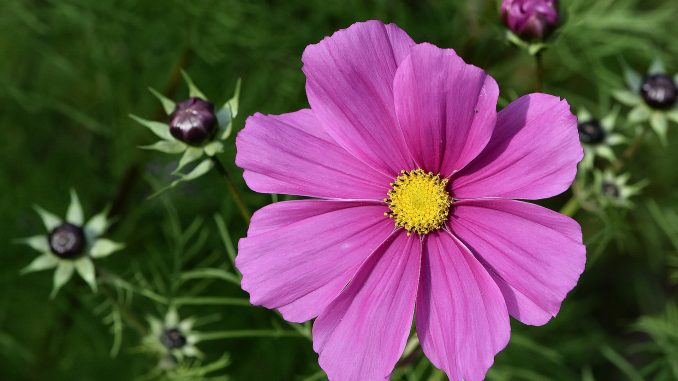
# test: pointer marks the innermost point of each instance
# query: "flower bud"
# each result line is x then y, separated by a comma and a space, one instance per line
67, 241
193, 121
610, 189
530, 19
659, 91
591, 132
172, 338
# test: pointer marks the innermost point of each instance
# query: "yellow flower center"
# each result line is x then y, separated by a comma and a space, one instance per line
418, 201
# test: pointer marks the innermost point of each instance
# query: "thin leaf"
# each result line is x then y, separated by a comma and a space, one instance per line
160, 130
211, 273
74, 214
167, 104
225, 238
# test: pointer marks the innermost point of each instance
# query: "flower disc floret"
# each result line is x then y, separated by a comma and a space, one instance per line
419, 201
591, 132
659, 91
67, 241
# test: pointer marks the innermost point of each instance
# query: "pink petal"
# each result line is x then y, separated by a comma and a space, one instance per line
362, 333
461, 315
532, 154
446, 108
298, 255
536, 255
349, 84
292, 154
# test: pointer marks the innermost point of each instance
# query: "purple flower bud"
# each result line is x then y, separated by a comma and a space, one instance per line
530, 19
67, 241
659, 91
591, 132
193, 121
172, 338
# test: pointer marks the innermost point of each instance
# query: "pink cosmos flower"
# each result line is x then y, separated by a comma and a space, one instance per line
414, 174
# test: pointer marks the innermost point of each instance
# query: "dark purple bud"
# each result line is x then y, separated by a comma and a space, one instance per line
610, 189
193, 121
659, 91
530, 19
172, 338
67, 241
591, 132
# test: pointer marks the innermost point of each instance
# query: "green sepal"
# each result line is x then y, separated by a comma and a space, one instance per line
190, 155
193, 90
36, 242
165, 146
97, 225
228, 112
160, 130
639, 114
626, 97
50, 220
104, 247
633, 78
659, 124
657, 67
74, 214
85, 268
167, 104
198, 171
213, 148
44, 262
62, 275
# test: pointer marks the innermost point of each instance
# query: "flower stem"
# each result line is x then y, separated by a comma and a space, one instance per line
539, 65
571, 207
631, 150
240, 203
248, 333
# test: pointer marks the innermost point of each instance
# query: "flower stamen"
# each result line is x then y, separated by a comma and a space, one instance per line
418, 201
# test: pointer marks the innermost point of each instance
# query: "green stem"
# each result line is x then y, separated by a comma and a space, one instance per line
631, 150
237, 198
208, 300
539, 64
571, 207
125, 312
247, 333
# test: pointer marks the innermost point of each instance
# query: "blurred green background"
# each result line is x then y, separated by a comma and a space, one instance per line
72, 71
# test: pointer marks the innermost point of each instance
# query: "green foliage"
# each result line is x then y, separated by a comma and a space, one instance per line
72, 72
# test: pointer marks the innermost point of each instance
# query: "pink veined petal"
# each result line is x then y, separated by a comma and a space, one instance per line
362, 333
292, 154
349, 84
535, 254
532, 154
299, 255
462, 320
446, 108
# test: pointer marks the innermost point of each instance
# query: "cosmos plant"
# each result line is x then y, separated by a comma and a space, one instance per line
414, 174
408, 214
